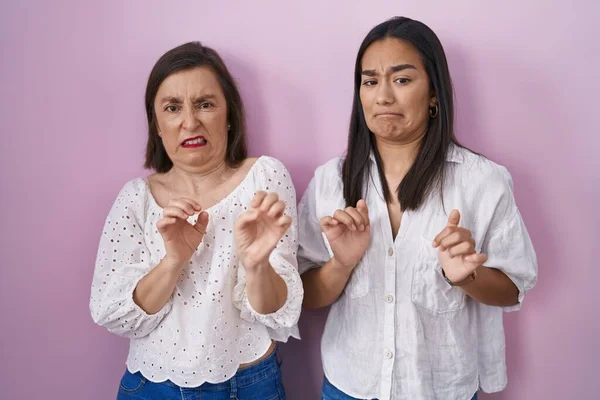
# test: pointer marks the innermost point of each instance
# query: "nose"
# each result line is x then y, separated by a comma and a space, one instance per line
384, 96
190, 122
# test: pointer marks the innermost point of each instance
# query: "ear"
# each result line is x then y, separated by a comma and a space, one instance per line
433, 101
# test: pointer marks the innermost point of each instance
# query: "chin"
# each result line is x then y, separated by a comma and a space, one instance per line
197, 160
389, 134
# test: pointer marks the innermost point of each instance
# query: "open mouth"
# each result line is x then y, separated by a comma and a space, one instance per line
197, 141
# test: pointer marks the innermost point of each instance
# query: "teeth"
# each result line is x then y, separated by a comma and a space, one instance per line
195, 141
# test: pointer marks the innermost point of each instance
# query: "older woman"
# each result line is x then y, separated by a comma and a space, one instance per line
197, 262
423, 244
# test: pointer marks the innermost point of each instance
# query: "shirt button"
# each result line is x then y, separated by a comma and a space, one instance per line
389, 354
390, 251
389, 298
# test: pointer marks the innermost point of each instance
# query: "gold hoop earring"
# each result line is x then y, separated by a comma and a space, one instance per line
434, 111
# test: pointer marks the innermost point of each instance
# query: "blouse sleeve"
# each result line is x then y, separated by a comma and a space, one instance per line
122, 261
274, 177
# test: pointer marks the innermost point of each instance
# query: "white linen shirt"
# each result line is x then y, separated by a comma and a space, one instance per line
208, 327
399, 330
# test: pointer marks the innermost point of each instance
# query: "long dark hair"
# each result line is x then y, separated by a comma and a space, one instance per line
188, 56
428, 169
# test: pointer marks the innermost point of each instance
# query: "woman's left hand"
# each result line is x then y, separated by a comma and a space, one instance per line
258, 230
456, 250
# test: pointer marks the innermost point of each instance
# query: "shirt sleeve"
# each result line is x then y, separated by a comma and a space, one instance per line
122, 261
274, 177
313, 251
507, 242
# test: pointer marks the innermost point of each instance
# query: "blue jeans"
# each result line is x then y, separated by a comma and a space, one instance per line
330, 392
261, 381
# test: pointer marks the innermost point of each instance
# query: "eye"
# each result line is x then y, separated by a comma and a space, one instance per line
402, 80
370, 82
171, 108
206, 106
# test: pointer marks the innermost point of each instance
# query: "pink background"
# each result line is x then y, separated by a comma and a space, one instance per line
72, 78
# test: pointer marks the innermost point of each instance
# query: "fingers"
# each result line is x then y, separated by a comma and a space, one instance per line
284, 221
268, 201
202, 222
165, 222
176, 212
182, 208
328, 222
454, 218
276, 210
463, 249
192, 202
344, 218
187, 205
258, 199
250, 216
477, 259
269, 204
458, 235
445, 232
450, 236
362, 208
356, 217
247, 217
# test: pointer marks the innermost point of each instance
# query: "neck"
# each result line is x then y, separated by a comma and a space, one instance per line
398, 157
196, 182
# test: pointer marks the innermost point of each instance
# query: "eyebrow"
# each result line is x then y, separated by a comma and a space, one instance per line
177, 100
395, 68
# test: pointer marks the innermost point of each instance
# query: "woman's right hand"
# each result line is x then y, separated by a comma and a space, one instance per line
180, 237
348, 232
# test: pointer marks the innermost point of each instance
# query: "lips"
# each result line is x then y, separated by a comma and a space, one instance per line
388, 114
196, 141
